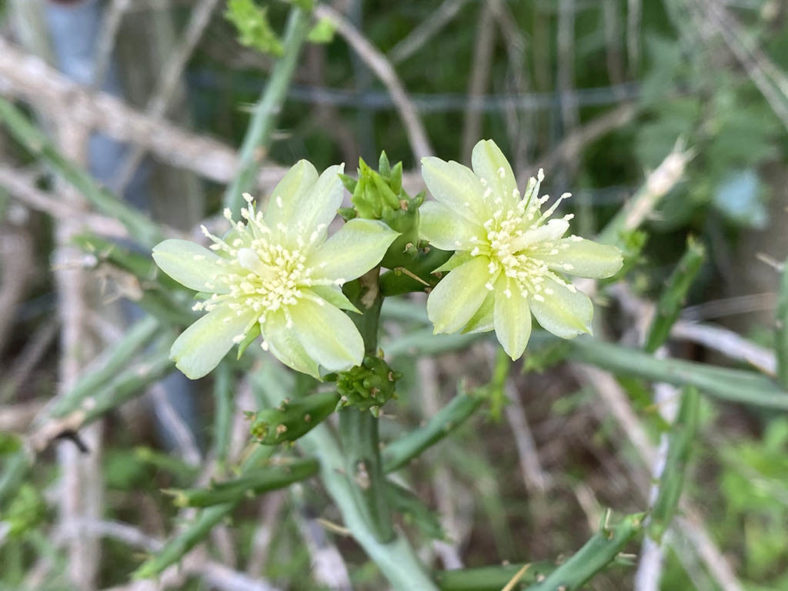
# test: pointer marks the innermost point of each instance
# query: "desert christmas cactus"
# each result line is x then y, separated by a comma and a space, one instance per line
364, 310
488, 256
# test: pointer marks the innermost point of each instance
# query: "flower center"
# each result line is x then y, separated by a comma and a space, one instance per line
509, 254
261, 274
268, 277
517, 236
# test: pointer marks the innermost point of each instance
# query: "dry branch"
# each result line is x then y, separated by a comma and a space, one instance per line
22, 186
27, 77
378, 63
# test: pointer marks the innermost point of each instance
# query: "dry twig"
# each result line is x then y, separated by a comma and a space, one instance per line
425, 30
479, 79
378, 63
168, 81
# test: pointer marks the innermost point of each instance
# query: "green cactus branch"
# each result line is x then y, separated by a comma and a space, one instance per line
781, 332
401, 451
594, 556
674, 294
251, 483
733, 385
671, 483
395, 558
200, 527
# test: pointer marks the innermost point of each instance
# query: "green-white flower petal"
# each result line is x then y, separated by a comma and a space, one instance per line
456, 187
458, 258
459, 295
512, 317
190, 264
327, 334
200, 347
290, 194
352, 251
315, 210
285, 346
563, 312
584, 258
334, 296
482, 321
490, 164
446, 230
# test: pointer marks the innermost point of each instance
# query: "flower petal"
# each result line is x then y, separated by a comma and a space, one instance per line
190, 264
327, 334
456, 187
584, 258
512, 317
335, 297
459, 295
289, 194
561, 311
200, 348
285, 346
352, 251
482, 321
445, 230
458, 258
318, 208
490, 164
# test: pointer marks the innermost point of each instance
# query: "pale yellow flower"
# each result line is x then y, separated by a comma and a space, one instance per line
510, 257
278, 272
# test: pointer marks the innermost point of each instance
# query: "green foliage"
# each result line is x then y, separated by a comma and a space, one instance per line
253, 27
26, 510
753, 485
322, 32
9, 443
735, 135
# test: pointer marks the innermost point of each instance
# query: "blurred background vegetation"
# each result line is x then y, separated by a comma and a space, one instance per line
680, 103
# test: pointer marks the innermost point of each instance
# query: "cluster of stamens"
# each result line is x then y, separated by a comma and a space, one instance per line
261, 273
516, 237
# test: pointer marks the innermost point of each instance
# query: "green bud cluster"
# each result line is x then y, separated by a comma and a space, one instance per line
379, 195
369, 385
292, 419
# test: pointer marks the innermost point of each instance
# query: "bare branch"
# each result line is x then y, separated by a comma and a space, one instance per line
425, 30
23, 75
168, 81
479, 79
21, 185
